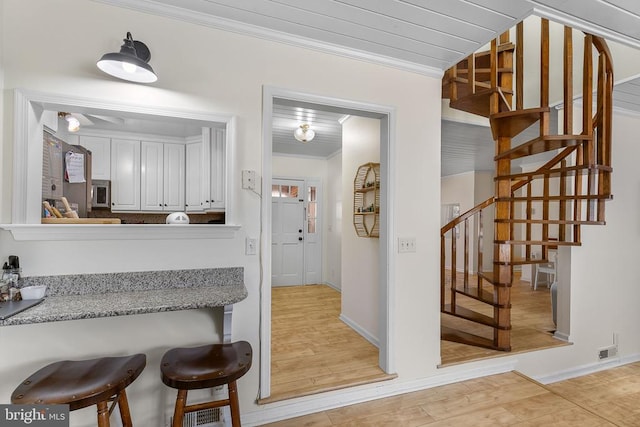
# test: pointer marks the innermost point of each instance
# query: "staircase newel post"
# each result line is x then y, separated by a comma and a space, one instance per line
502, 268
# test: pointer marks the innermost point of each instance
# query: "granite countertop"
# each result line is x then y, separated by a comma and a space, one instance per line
118, 294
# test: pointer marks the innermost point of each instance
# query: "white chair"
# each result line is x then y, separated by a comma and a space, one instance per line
550, 269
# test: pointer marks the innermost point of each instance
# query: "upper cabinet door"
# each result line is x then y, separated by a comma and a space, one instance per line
151, 176
100, 148
125, 175
174, 177
194, 201
217, 169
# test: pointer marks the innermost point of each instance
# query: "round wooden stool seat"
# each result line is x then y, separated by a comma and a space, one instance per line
83, 383
206, 367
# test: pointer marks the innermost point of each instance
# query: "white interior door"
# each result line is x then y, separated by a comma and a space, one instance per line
287, 242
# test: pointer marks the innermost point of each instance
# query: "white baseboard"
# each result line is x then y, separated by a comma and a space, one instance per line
360, 330
278, 411
334, 286
587, 369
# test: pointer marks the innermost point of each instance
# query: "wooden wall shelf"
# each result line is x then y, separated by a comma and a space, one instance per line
366, 200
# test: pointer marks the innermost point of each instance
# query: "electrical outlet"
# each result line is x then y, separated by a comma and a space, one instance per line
249, 179
406, 244
250, 246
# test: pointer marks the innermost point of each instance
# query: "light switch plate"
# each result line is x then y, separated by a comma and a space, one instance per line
250, 246
406, 244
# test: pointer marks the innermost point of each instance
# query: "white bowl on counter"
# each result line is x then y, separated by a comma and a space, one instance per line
33, 292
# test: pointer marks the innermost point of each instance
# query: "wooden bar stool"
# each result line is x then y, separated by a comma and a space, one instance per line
84, 383
206, 367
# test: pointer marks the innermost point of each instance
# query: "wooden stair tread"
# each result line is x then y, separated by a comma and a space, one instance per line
542, 144
473, 316
511, 123
549, 221
478, 103
537, 243
454, 335
527, 261
485, 296
556, 198
555, 172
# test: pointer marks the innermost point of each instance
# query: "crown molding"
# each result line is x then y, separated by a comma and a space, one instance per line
151, 7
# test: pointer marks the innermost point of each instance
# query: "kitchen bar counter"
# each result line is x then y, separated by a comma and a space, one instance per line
90, 296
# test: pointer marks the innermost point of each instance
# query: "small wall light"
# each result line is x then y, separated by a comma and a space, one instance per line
131, 63
73, 123
304, 133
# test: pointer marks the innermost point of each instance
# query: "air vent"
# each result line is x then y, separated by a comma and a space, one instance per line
205, 418
608, 352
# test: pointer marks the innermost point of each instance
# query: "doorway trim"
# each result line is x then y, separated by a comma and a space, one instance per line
386, 114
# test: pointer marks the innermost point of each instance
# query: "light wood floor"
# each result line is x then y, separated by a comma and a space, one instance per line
531, 319
312, 350
606, 398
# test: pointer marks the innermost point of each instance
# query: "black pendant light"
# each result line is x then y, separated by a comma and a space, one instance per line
131, 63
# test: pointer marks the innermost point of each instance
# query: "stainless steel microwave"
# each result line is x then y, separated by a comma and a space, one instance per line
100, 194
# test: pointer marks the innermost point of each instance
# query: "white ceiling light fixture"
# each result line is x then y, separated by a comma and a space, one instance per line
304, 133
131, 63
73, 124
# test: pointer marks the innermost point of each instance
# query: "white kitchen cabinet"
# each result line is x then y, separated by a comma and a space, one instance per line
174, 177
100, 148
205, 183
125, 175
195, 193
162, 176
217, 172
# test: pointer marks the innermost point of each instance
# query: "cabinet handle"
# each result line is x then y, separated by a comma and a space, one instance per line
113, 204
165, 205
206, 201
160, 204
186, 204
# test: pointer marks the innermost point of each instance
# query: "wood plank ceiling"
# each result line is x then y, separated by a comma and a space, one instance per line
422, 36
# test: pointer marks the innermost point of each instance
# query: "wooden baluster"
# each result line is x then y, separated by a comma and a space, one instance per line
544, 63
471, 73
443, 275
545, 215
520, 66
494, 99
562, 215
466, 255
587, 117
453, 89
454, 259
505, 61
568, 119
480, 261
529, 217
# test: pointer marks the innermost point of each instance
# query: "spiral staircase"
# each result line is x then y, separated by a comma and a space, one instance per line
532, 211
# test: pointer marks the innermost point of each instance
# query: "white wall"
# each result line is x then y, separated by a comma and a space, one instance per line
334, 220
201, 69
360, 255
